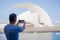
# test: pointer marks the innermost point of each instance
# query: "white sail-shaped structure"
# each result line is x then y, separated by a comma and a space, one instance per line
43, 15
35, 18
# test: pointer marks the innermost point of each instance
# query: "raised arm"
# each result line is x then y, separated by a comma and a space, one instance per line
23, 26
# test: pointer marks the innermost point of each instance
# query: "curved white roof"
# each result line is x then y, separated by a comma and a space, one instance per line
29, 17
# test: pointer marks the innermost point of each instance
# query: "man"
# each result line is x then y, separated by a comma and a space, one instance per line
11, 30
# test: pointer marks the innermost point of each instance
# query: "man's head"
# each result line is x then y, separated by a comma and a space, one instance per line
12, 18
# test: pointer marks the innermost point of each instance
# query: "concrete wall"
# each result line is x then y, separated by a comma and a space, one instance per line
31, 36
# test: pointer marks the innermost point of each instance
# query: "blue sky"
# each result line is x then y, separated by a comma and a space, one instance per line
52, 7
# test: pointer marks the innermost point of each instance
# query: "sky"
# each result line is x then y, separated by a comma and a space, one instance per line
52, 7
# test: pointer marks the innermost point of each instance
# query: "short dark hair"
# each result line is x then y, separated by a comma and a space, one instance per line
12, 17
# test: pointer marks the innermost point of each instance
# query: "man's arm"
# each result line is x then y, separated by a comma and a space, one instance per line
20, 29
24, 25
